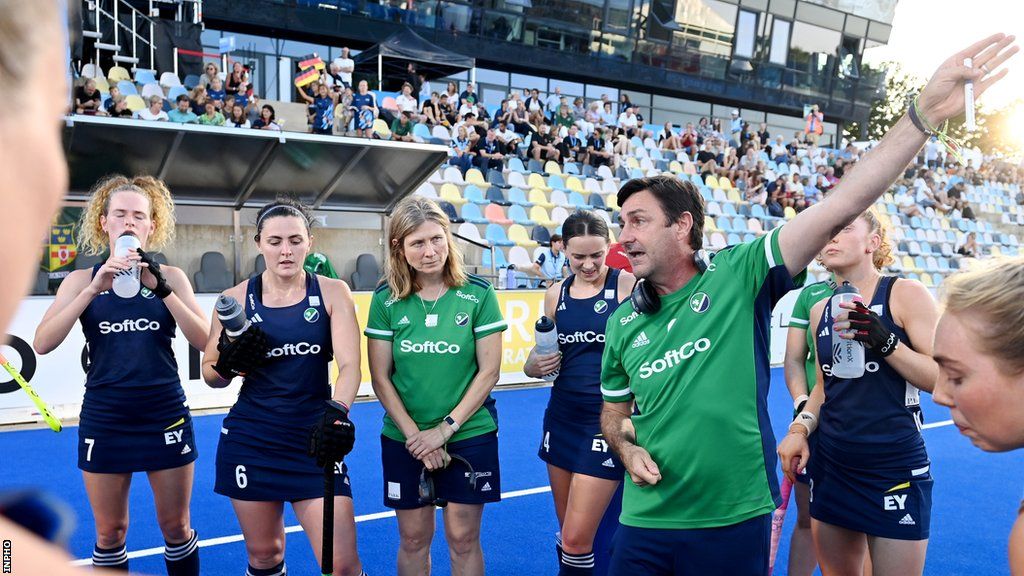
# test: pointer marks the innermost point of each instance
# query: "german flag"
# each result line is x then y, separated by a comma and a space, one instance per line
311, 61
308, 77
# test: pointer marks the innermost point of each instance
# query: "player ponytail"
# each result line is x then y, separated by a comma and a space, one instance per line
882, 256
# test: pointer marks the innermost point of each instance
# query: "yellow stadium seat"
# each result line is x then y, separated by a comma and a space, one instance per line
135, 103
926, 279
611, 234
995, 251
732, 194
789, 213
675, 167
709, 224
450, 193
537, 181
711, 181
474, 176
540, 215
888, 198
380, 128
724, 183
612, 201
538, 198
552, 167
574, 184
118, 73
101, 84
517, 234
631, 162
944, 224
908, 264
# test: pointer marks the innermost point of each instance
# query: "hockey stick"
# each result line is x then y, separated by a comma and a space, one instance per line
51, 420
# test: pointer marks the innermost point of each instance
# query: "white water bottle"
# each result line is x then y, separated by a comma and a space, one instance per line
546, 339
847, 355
126, 282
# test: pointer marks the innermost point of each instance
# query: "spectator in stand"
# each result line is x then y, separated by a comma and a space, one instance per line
629, 122
591, 118
332, 77
461, 153
553, 103
573, 148
197, 99
777, 197
688, 139
468, 95
183, 113
430, 112
238, 118
608, 117
211, 71
345, 67
155, 110
88, 99
716, 128
543, 146
533, 103
967, 212
812, 195
452, 91
667, 138
754, 191
564, 119
735, 129
447, 112
120, 109
108, 103
621, 144
749, 159
344, 113
365, 104
490, 152
229, 103
970, 247
401, 128
521, 121
216, 94
467, 108
321, 110
537, 119
730, 163
597, 149
407, 102
238, 81
504, 113
414, 80
814, 127
552, 263
212, 117
475, 128
267, 119
579, 109
508, 137
762, 134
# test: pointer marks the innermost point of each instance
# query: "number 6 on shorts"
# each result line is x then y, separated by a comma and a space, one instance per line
240, 478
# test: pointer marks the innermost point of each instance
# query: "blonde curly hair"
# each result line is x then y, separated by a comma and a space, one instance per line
883, 256
93, 240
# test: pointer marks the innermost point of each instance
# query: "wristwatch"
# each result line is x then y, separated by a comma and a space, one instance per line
451, 423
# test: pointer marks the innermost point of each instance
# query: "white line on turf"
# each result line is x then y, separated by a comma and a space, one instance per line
290, 529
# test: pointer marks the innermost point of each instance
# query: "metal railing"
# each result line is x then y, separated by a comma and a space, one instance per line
485, 245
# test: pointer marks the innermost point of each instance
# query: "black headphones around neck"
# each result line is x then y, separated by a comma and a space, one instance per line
645, 297
426, 488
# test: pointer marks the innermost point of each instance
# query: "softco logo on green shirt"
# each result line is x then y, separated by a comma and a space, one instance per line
674, 357
429, 347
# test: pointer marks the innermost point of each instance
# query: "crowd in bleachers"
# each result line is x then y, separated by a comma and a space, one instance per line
517, 169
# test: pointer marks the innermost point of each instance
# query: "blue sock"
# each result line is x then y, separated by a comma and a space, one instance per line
577, 564
279, 570
182, 559
111, 558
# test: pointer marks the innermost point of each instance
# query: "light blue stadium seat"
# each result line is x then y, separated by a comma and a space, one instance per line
127, 87
733, 239
471, 213
499, 258
176, 91
556, 182
517, 214
145, 77
517, 196
496, 235
422, 131
475, 195
729, 209
516, 165
571, 168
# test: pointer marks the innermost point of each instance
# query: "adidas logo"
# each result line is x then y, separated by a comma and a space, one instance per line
403, 321
641, 340
186, 450
561, 306
255, 319
908, 520
824, 332
608, 463
486, 488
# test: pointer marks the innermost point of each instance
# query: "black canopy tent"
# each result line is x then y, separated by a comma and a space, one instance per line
391, 57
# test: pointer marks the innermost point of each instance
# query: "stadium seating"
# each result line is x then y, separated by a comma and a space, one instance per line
213, 274
367, 273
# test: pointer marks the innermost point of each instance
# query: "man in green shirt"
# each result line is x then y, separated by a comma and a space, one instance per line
700, 451
401, 128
